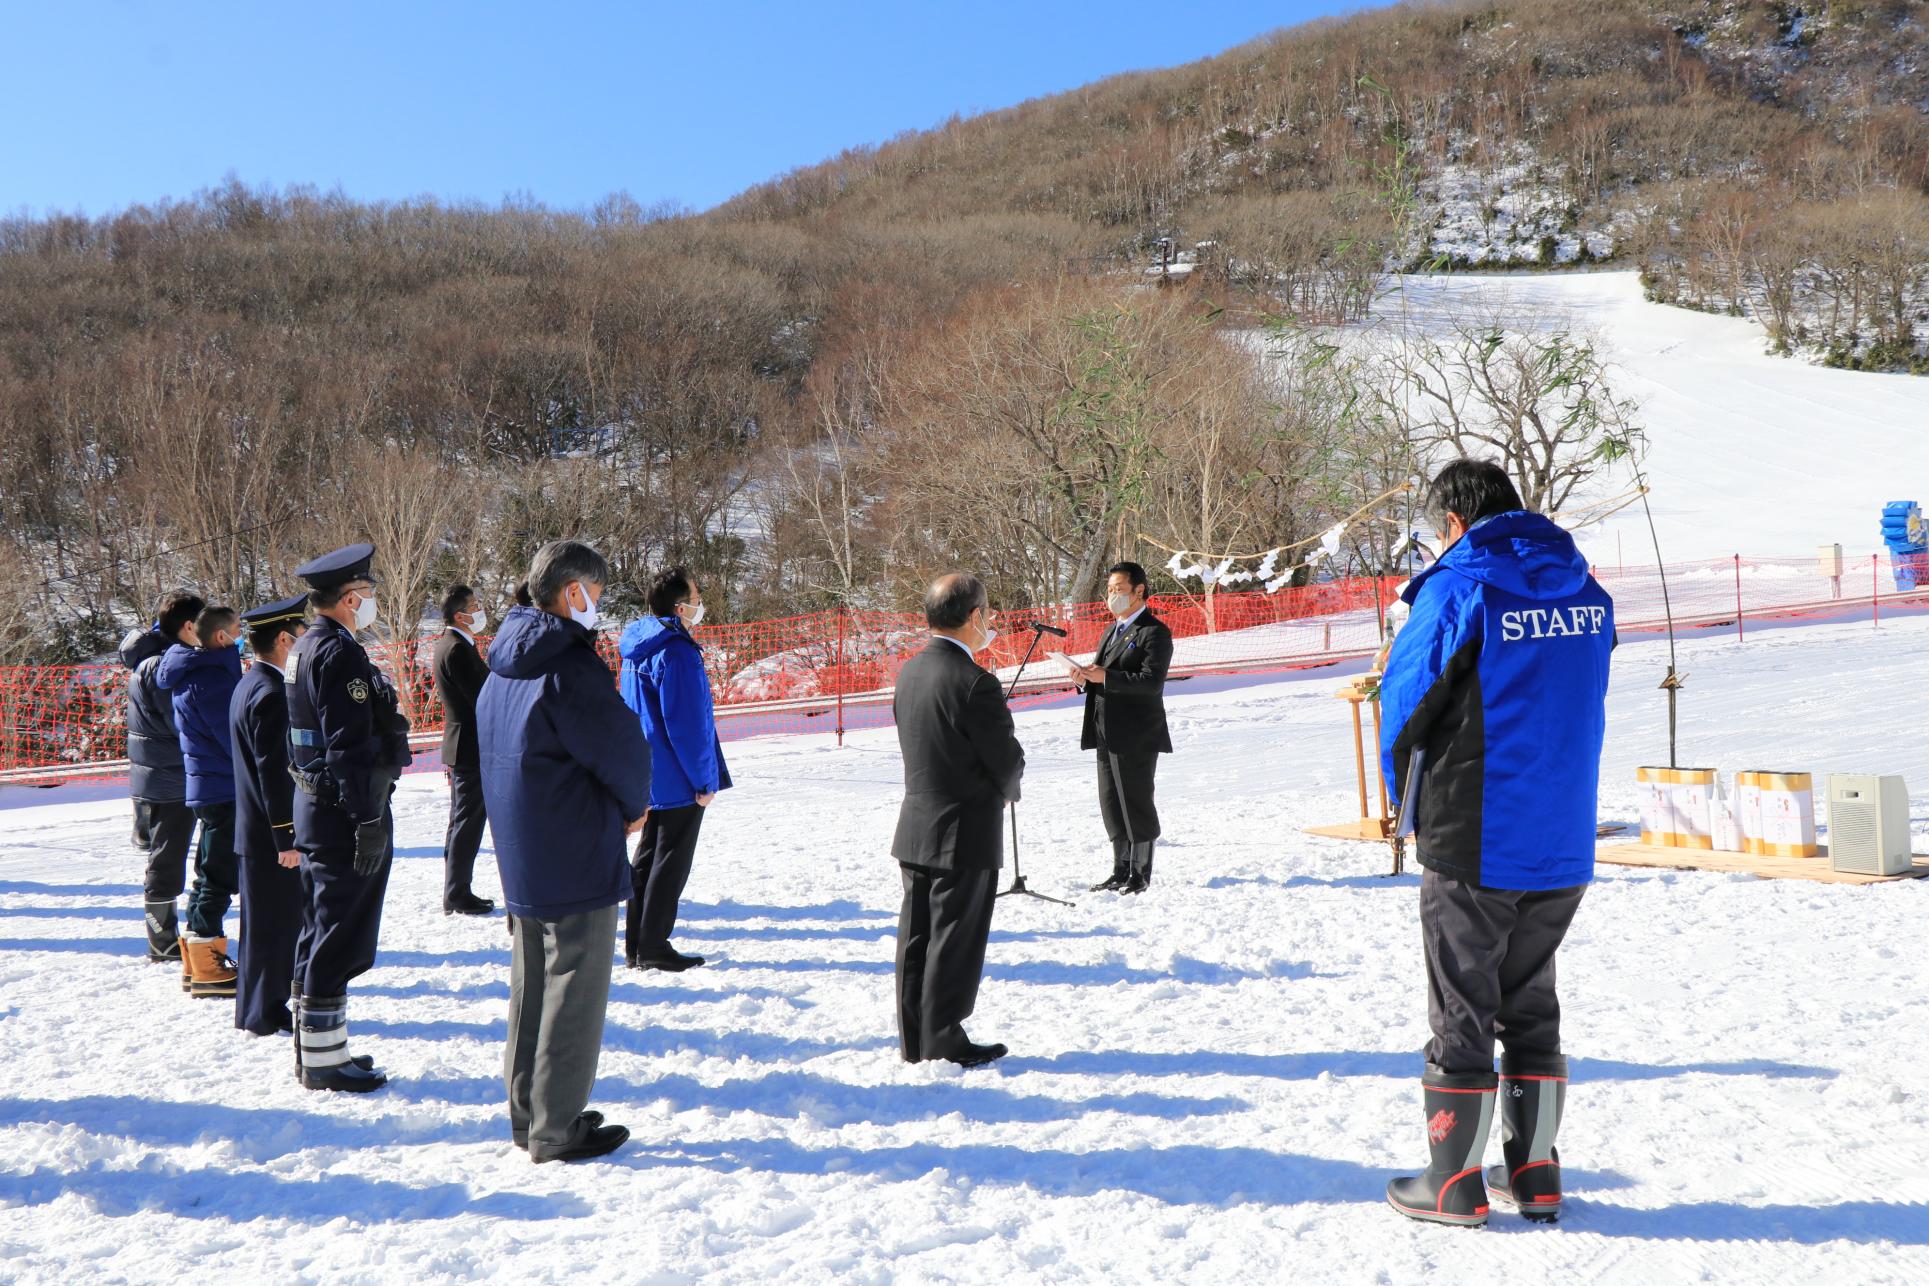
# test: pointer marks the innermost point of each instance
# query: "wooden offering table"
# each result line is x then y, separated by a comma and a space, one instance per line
1373, 824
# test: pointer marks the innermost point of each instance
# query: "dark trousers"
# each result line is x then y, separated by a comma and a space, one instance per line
658, 873
341, 917
559, 990
1490, 970
942, 929
467, 817
217, 871
170, 829
1125, 796
271, 900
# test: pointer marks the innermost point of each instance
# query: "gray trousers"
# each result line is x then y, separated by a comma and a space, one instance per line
1490, 970
559, 989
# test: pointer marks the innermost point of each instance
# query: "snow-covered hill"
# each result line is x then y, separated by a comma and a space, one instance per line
1210, 1083
1750, 454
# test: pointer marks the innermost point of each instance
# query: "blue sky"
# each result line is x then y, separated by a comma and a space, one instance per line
106, 105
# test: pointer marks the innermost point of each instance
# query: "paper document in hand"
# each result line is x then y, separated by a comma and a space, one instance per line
1071, 666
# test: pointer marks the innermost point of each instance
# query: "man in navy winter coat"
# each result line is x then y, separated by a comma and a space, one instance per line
664, 681
565, 776
202, 681
156, 778
1493, 704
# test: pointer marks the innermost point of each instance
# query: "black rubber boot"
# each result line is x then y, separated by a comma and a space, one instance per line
1121, 869
1460, 1108
1141, 877
1533, 1093
362, 1061
322, 1036
163, 933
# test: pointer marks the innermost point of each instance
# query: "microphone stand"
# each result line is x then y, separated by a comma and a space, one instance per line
1017, 876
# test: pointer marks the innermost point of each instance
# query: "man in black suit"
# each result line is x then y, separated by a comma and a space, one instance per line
962, 763
459, 672
1125, 722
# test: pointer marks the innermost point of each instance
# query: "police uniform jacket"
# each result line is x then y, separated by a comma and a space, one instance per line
346, 734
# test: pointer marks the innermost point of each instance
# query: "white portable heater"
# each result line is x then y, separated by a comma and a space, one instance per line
1868, 824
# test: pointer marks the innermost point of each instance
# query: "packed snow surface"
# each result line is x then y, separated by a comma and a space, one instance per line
1209, 1083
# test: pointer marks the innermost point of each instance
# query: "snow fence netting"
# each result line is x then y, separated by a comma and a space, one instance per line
831, 671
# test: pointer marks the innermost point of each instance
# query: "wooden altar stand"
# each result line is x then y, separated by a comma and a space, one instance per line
1371, 826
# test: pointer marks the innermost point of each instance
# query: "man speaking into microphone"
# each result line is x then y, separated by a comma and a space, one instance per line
1125, 723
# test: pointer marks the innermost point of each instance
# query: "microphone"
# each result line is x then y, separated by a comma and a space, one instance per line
1041, 628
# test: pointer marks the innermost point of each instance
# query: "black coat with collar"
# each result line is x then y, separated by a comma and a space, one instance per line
1126, 713
264, 793
459, 674
962, 761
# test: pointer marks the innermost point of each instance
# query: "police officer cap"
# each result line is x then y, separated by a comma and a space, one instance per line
288, 609
349, 563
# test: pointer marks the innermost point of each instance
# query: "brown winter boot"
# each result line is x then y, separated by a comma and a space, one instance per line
213, 973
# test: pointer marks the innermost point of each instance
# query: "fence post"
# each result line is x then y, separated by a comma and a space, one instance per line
1739, 634
1875, 589
838, 670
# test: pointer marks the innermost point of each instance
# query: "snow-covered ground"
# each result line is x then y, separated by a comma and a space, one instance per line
1750, 454
1210, 1083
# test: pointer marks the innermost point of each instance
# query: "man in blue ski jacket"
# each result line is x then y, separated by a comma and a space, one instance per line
664, 681
201, 681
1493, 716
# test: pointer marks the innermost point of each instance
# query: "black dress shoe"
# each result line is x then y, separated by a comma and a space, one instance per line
668, 962
1138, 884
974, 1055
1112, 885
467, 904
601, 1140
591, 1118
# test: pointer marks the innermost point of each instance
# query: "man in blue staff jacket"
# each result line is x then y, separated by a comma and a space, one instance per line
664, 681
565, 776
1493, 704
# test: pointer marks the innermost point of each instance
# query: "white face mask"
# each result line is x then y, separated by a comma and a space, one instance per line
365, 611
1119, 604
587, 617
990, 635
692, 615
477, 619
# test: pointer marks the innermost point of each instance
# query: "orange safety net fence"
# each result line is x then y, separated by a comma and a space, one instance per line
833, 671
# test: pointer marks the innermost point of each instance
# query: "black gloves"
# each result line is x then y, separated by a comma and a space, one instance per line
371, 846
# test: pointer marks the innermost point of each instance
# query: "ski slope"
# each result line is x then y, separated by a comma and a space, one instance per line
1749, 453
1210, 1083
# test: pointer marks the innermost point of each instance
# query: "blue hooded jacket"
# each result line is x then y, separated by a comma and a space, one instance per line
201, 682
1500, 676
664, 681
564, 767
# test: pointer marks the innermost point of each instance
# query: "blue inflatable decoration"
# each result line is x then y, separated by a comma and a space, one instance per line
1908, 540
